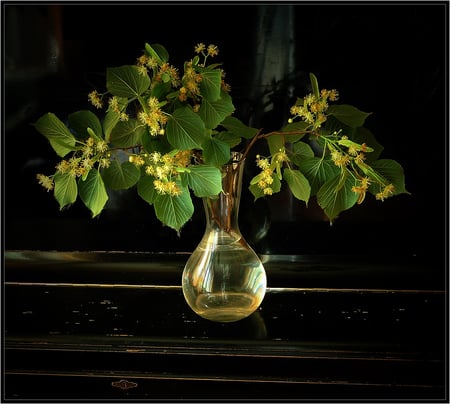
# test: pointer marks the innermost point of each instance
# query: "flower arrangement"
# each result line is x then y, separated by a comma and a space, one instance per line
167, 131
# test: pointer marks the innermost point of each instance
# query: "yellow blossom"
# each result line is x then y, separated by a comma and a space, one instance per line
339, 159
80, 171
123, 117
142, 60
360, 157
155, 157
182, 94
200, 47
87, 163
95, 99
113, 103
45, 181
153, 103
152, 63
213, 50
183, 158
63, 166
101, 146
352, 150
87, 150
361, 189
159, 186
149, 170
387, 191
142, 70
365, 182
104, 162
138, 161
262, 162
333, 95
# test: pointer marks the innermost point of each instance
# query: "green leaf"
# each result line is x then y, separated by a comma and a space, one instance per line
112, 118
174, 211
126, 81
59, 136
66, 190
80, 121
121, 176
318, 171
216, 152
92, 192
146, 190
393, 172
314, 85
238, 128
214, 112
185, 129
155, 143
211, 84
127, 134
231, 139
298, 184
157, 52
204, 180
298, 126
301, 151
348, 115
110, 121
275, 143
336, 195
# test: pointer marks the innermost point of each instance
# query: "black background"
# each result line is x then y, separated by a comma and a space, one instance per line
386, 58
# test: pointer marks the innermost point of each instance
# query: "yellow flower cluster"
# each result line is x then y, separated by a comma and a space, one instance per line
93, 151
45, 181
361, 189
95, 99
340, 159
387, 191
313, 109
211, 50
265, 178
165, 168
190, 82
168, 71
113, 103
163, 72
154, 118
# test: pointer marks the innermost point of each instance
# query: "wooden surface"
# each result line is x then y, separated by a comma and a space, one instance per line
98, 325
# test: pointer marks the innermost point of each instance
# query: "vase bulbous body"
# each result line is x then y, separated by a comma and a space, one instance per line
224, 280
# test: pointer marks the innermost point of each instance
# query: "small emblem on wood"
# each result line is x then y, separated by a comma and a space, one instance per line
124, 384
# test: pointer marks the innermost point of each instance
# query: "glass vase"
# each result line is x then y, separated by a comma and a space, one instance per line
224, 279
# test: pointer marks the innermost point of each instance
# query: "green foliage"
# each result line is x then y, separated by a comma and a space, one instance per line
348, 115
121, 175
93, 192
174, 211
166, 132
298, 184
204, 181
126, 81
66, 190
186, 129
127, 134
59, 136
336, 195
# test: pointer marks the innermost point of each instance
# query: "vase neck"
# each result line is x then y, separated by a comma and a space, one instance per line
222, 212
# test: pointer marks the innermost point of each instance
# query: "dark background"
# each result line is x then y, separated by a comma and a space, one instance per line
386, 58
